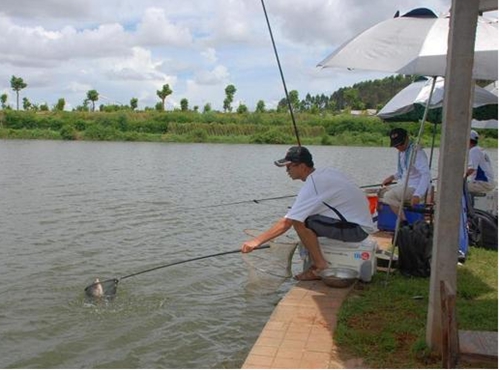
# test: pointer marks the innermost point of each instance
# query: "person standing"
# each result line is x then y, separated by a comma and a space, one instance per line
329, 204
419, 174
480, 176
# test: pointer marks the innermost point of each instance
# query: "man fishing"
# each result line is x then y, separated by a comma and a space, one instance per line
329, 204
419, 177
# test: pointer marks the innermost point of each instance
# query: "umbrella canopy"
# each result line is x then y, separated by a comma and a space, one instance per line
409, 103
415, 44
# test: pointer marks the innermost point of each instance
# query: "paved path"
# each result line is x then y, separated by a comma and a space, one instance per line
299, 333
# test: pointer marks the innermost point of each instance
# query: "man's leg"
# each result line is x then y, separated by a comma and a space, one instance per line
394, 196
310, 242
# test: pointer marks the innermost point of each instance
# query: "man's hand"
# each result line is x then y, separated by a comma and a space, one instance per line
249, 245
388, 180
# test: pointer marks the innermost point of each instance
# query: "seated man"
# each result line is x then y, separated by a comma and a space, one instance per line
328, 198
419, 174
480, 176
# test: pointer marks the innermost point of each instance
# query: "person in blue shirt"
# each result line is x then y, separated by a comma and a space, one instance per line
419, 174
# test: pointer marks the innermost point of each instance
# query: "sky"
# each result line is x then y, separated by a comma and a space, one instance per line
128, 49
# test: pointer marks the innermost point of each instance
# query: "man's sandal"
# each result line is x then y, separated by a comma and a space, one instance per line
308, 275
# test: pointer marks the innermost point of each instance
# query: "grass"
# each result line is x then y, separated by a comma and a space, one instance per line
385, 324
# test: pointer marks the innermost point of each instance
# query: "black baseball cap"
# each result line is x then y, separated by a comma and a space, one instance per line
296, 154
398, 136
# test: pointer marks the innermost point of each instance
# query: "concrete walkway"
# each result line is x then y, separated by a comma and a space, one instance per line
299, 333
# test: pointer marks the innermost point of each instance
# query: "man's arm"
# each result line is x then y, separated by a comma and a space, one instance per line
280, 227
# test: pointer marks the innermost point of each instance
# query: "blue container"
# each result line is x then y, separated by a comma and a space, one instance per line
387, 219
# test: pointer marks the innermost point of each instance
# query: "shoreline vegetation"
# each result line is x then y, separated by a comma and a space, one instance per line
342, 129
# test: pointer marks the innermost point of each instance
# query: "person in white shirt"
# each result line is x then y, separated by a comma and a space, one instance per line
420, 175
329, 204
480, 176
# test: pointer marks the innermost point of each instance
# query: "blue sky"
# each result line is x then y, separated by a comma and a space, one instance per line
129, 49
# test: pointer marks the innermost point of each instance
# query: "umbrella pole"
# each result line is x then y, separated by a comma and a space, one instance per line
432, 146
412, 161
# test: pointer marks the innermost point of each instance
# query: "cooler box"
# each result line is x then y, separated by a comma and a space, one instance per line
359, 256
387, 219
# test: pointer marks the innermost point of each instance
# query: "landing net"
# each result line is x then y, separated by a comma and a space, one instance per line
274, 262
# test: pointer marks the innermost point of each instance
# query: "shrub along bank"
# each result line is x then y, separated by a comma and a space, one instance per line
178, 126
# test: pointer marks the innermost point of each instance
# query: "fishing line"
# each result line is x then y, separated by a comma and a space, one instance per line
281, 73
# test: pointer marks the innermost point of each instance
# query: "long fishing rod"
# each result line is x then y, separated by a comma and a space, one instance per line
282, 77
257, 201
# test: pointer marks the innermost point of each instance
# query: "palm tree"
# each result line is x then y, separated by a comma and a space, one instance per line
17, 84
93, 96
163, 93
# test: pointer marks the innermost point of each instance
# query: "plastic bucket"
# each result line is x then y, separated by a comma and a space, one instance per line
373, 202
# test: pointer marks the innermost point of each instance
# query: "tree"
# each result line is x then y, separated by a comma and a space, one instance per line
93, 96
133, 103
3, 100
26, 104
163, 93
294, 100
17, 84
207, 108
230, 90
242, 108
60, 105
261, 106
184, 104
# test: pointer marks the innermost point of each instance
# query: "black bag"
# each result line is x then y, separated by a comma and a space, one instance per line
415, 249
483, 229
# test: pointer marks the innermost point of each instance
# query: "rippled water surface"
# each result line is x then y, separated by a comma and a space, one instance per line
73, 211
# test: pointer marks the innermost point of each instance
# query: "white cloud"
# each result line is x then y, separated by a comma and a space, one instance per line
216, 76
125, 48
156, 29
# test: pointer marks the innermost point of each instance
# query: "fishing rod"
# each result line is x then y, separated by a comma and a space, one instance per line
282, 76
257, 201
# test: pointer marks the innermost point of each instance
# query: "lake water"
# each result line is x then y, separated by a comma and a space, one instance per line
73, 211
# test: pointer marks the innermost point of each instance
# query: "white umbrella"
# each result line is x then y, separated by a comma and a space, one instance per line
409, 103
491, 124
493, 88
415, 44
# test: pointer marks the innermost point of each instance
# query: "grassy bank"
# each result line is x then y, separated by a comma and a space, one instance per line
213, 127
385, 325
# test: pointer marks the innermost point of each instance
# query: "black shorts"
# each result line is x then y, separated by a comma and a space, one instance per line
335, 229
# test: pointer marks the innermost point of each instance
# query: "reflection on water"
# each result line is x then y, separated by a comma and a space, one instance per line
74, 211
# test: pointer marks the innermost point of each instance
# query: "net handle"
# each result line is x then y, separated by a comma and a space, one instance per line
116, 281
191, 260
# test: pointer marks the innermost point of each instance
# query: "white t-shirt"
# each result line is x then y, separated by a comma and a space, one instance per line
480, 162
337, 190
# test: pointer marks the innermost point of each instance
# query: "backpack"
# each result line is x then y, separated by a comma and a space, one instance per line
414, 244
483, 229
482, 226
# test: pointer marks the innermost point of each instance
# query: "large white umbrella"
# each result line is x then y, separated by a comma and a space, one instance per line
409, 103
415, 44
